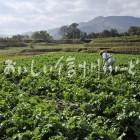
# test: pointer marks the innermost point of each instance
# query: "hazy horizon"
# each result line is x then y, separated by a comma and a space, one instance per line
25, 16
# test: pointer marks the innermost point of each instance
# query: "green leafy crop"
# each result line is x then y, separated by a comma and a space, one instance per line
57, 107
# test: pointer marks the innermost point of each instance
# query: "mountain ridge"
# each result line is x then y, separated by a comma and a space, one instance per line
100, 23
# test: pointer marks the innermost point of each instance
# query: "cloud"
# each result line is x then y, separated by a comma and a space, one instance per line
30, 15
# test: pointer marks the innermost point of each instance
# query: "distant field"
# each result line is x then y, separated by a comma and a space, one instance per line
40, 46
125, 44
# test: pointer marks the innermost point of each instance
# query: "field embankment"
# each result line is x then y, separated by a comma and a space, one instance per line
124, 44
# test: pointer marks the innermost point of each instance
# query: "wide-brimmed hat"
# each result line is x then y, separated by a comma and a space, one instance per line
101, 52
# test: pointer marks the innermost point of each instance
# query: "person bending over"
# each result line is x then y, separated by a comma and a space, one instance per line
108, 61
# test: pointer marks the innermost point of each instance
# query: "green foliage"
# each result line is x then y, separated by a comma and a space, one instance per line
71, 32
134, 30
42, 35
20, 37
56, 107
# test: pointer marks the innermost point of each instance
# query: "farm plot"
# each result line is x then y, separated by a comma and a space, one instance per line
65, 96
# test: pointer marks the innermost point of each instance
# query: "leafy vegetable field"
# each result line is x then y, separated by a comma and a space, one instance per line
52, 105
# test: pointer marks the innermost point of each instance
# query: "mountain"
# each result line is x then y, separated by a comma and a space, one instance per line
98, 24
121, 23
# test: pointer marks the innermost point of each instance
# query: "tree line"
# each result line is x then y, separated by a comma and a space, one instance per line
73, 32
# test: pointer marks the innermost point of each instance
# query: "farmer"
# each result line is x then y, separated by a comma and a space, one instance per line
108, 61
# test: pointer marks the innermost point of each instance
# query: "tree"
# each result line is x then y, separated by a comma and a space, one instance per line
83, 36
108, 33
71, 32
105, 33
114, 33
134, 30
92, 35
63, 31
42, 35
20, 37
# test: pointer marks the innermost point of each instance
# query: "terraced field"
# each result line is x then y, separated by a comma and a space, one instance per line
125, 44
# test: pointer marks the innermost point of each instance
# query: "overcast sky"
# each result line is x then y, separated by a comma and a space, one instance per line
19, 16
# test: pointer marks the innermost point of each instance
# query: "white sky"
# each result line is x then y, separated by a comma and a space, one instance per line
19, 16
